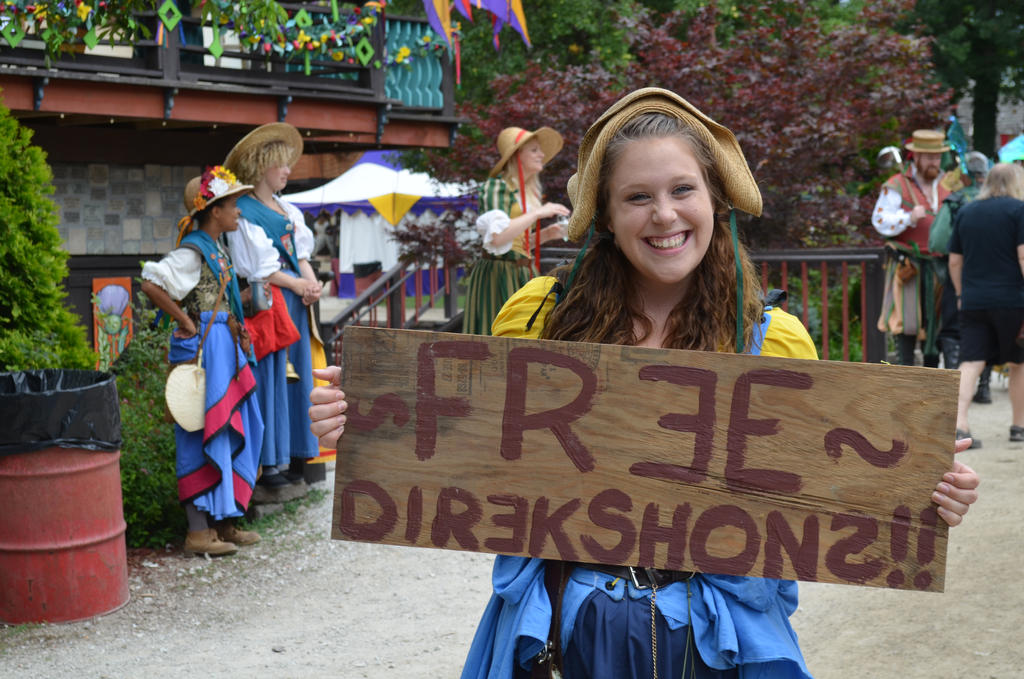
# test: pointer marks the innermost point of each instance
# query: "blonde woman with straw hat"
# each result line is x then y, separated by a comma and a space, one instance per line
511, 206
218, 451
272, 249
661, 266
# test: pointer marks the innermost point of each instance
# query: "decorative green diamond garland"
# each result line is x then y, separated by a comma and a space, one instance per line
262, 26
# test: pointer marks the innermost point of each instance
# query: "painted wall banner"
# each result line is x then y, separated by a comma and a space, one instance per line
742, 465
111, 318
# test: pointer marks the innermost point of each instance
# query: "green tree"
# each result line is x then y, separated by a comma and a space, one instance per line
36, 329
731, 16
978, 48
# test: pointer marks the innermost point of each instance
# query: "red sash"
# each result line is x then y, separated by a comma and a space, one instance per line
272, 329
913, 195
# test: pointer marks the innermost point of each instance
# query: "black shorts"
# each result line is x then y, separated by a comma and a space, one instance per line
990, 335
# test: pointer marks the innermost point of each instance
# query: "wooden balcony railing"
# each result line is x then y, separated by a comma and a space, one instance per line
425, 85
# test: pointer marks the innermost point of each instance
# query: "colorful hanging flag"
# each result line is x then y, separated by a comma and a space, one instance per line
502, 12
956, 138
439, 17
496, 28
509, 12
465, 8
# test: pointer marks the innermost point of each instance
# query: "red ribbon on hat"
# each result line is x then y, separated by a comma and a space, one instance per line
522, 203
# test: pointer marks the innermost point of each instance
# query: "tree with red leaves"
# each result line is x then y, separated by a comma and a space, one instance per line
811, 107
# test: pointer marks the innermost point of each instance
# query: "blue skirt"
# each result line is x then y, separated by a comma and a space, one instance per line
740, 626
217, 465
302, 443
612, 639
271, 391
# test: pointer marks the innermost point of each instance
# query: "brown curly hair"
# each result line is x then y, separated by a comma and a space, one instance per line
603, 304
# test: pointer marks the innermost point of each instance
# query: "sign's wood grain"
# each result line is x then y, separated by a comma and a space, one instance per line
741, 465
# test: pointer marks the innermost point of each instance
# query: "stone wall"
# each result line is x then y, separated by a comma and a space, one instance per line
1009, 119
119, 209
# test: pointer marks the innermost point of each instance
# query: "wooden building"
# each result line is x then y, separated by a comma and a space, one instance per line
124, 128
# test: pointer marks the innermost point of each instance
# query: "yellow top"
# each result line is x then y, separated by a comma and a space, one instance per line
786, 336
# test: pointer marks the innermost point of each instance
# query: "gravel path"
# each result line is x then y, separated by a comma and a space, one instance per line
301, 605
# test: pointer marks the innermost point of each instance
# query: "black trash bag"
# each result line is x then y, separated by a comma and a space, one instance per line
67, 408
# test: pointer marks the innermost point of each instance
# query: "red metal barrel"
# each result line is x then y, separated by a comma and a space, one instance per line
62, 547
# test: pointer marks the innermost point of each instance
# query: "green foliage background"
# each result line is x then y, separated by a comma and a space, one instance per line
978, 49
562, 33
36, 329
835, 310
594, 33
148, 478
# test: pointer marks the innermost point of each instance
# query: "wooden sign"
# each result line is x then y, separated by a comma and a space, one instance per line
740, 465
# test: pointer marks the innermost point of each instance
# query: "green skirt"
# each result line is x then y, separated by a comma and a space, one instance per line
489, 285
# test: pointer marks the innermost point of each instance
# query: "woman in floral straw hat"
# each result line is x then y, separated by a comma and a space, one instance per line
195, 284
510, 206
272, 249
660, 267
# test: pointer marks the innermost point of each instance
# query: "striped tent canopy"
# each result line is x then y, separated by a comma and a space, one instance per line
377, 184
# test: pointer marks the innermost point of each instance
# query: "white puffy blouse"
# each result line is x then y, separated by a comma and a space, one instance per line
177, 273
253, 252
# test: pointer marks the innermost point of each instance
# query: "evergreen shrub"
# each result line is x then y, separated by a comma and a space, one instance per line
36, 329
148, 477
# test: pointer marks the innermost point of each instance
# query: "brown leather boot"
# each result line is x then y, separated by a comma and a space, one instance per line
229, 532
207, 542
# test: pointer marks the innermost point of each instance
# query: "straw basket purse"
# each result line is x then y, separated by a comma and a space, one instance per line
185, 391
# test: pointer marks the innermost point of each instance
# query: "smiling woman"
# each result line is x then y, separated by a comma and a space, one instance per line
660, 212
661, 266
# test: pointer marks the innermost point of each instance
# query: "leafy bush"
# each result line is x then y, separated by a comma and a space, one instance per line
148, 477
36, 329
450, 237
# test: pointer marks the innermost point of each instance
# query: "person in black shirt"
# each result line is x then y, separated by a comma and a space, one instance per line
986, 266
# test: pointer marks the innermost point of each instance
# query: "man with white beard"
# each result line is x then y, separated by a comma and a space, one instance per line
904, 213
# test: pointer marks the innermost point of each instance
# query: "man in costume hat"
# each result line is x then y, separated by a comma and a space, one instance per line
904, 213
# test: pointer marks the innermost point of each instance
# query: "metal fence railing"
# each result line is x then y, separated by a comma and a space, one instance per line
385, 302
835, 292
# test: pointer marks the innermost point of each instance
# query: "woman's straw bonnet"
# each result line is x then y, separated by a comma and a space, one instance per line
264, 134
740, 187
213, 185
511, 139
